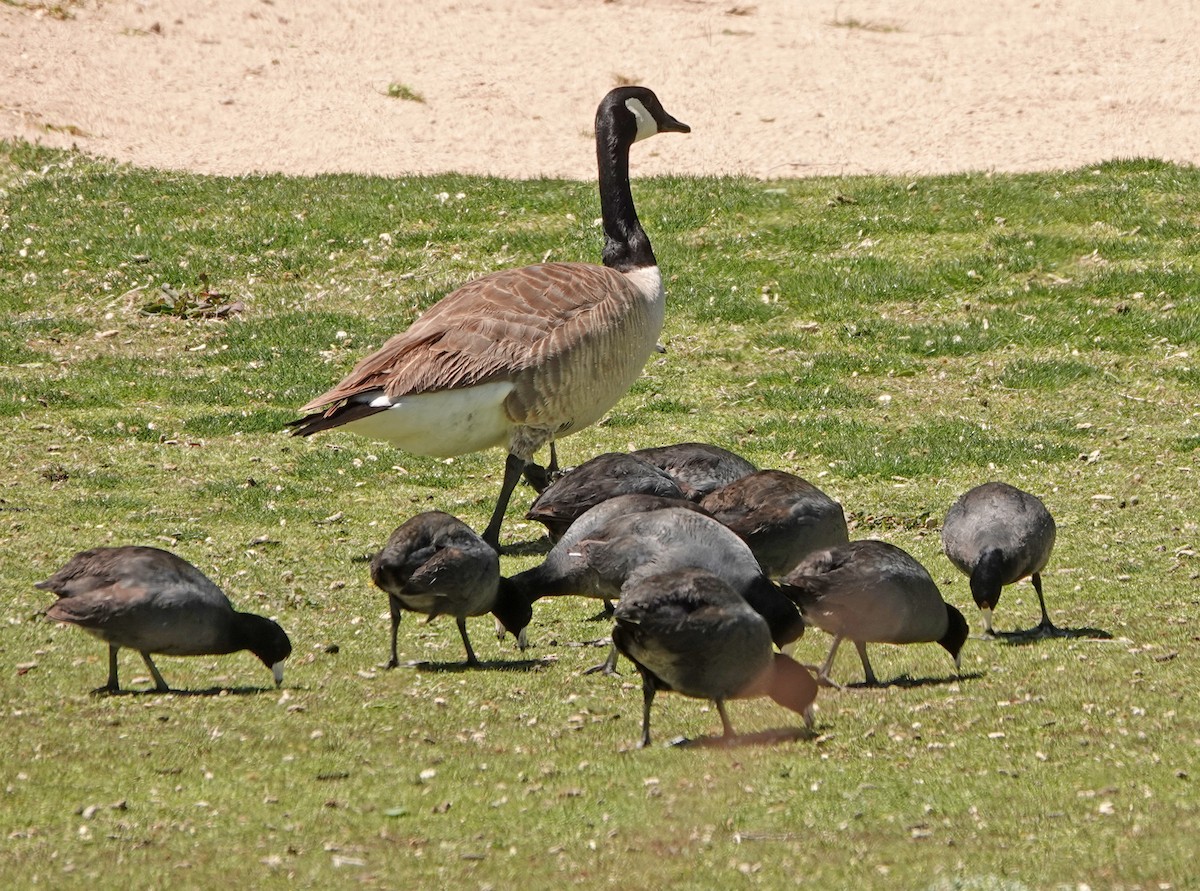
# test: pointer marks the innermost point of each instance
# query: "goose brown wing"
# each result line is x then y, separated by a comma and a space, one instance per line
493, 327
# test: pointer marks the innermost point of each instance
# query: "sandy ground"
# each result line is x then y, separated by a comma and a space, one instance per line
771, 87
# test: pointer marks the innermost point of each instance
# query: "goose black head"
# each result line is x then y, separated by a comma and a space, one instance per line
635, 113
624, 116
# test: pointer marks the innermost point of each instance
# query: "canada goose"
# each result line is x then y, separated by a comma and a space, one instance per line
154, 602
698, 467
996, 534
598, 479
436, 564
783, 517
688, 631
596, 559
873, 592
521, 357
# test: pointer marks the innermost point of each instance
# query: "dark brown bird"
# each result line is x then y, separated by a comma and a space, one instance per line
781, 516
698, 467
688, 631
151, 601
521, 357
606, 476
598, 559
436, 564
873, 592
997, 535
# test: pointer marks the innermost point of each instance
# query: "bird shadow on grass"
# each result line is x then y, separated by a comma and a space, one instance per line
208, 691
771, 737
514, 665
906, 682
1037, 634
538, 547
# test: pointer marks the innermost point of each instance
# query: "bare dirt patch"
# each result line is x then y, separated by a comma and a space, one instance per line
770, 87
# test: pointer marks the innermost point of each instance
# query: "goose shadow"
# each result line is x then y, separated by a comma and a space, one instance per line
1037, 633
771, 737
498, 665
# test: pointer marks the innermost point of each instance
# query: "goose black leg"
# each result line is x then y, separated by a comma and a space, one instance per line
540, 477
513, 468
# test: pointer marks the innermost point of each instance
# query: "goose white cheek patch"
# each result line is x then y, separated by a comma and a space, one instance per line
646, 125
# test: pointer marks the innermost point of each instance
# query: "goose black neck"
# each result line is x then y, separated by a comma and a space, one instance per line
626, 246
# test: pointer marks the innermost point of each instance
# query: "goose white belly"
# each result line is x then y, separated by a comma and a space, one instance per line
444, 423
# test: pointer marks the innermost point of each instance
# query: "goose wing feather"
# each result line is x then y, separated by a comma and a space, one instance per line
494, 327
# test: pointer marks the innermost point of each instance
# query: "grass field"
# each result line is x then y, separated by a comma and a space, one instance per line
895, 341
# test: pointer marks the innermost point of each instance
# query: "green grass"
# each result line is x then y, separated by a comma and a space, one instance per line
896, 341
397, 90
857, 24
